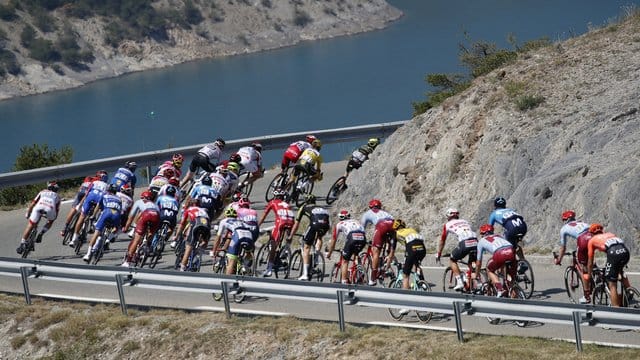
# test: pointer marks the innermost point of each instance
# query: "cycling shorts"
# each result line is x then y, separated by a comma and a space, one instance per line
313, 232
49, 212
148, 220
201, 161
108, 216
617, 259
200, 228
415, 253
384, 232
355, 242
514, 229
291, 155
239, 237
464, 248
91, 198
500, 257
582, 243
170, 216
279, 229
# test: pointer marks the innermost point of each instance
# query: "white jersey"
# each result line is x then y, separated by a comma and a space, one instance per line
346, 227
219, 183
126, 201
228, 225
460, 228
374, 216
301, 145
251, 159
491, 243
47, 203
213, 152
572, 229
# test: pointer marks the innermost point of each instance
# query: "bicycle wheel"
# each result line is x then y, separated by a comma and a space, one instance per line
275, 183
515, 292
318, 268
179, 251
262, 259
303, 187
424, 316
296, 267
573, 284
448, 280
365, 262
631, 298
600, 295
525, 277
29, 244
336, 189
487, 289
72, 225
360, 277
281, 266
395, 312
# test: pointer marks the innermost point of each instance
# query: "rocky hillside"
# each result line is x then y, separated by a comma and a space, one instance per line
578, 149
61, 44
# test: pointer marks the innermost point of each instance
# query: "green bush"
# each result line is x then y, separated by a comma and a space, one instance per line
43, 50
27, 35
44, 21
8, 63
527, 102
70, 52
192, 13
301, 18
8, 12
446, 85
33, 157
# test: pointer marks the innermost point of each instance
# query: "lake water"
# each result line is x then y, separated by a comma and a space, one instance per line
362, 79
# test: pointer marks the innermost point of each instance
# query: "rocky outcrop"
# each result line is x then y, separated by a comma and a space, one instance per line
228, 28
579, 149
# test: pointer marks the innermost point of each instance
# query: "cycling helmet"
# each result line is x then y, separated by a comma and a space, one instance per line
177, 159
596, 229
233, 167
168, 173
236, 158
206, 180
131, 165
317, 144
236, 196
171, 191
53, 186
222, 169
174, 181
486, 229
112, 188
344, 214
147, 195
230, 212
244, 203
373, 142
568, 215
310, 199
452, 212
500, 202
257, 146
398, 224
126, 189
309, 138
220, 143
102, 175
375, 204
279, 192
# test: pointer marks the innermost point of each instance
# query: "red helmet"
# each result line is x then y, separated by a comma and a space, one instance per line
309, 138
126, 189
569, 214
147, 195
344, 214
168, 173
177, 159
236, 158
486, 229
174, 181
375, 203
596, 229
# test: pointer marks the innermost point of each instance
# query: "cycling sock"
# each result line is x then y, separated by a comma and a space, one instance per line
45, 228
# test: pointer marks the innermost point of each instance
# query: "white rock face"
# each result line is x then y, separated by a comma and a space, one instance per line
579, 149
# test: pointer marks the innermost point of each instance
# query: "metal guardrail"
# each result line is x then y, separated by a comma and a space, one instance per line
155, 158
453, 304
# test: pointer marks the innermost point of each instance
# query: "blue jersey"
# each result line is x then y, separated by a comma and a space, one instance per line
206, 194
124, 176
500, 216
169, 208
111, 207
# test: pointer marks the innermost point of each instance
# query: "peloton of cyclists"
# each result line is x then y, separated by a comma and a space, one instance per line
77, 200
91, 199
384, 232
46, 203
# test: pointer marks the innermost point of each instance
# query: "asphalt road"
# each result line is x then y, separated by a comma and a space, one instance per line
549, 284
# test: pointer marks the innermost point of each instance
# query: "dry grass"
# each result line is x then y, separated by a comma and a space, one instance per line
60, 330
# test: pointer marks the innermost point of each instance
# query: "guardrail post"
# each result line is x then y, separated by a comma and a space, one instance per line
341, 310
457, 312
24, 273
576, 327
225, 297
123, 304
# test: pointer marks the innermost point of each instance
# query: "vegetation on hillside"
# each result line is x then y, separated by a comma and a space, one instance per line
479, 58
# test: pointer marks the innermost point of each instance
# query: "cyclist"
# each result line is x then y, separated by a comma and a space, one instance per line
415, 252
501, 252
160, 180
175, 165
319, 224
361, 155
225, 229
617, 259
46, 203
145, 202
284, 219
251, 162
174, 182
93, 197
209, 199
169, 207
579, 231
233, 177
125, 175
82, 191
293, 152
148, 221
111, 207
310, 162
249, 217
240, 235
220, 182
384, 232
206, 158
355, 240
515, 228
198, 219
467, 243
125, 194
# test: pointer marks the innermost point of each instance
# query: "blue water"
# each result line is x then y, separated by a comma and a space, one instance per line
362, 79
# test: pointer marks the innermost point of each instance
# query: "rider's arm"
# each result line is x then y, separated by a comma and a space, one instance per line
264, 214
443, 237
